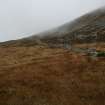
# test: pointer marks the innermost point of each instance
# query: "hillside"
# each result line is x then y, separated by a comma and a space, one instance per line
42, 70
89, 28
45, 76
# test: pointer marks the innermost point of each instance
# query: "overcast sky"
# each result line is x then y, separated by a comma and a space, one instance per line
21, 18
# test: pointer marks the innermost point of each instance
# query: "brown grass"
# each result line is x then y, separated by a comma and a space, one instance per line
44, 76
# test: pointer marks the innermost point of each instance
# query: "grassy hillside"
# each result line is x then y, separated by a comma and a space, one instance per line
43, 76
43, 70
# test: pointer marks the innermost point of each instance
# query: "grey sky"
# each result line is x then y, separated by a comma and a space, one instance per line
21, 18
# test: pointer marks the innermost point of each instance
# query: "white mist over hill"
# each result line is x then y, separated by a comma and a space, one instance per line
21, 18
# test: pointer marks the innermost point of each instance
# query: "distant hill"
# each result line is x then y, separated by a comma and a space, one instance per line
85, 29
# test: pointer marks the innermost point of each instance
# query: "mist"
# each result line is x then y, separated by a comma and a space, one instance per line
22, 18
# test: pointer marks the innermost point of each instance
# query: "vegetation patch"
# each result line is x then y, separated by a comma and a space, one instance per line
100, 54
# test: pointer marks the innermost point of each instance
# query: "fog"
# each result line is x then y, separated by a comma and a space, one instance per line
21, 18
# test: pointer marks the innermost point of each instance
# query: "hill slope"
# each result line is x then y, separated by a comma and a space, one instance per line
32, 73
44, 76
86, 29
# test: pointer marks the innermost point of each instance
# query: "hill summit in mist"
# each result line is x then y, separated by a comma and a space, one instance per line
85, 29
